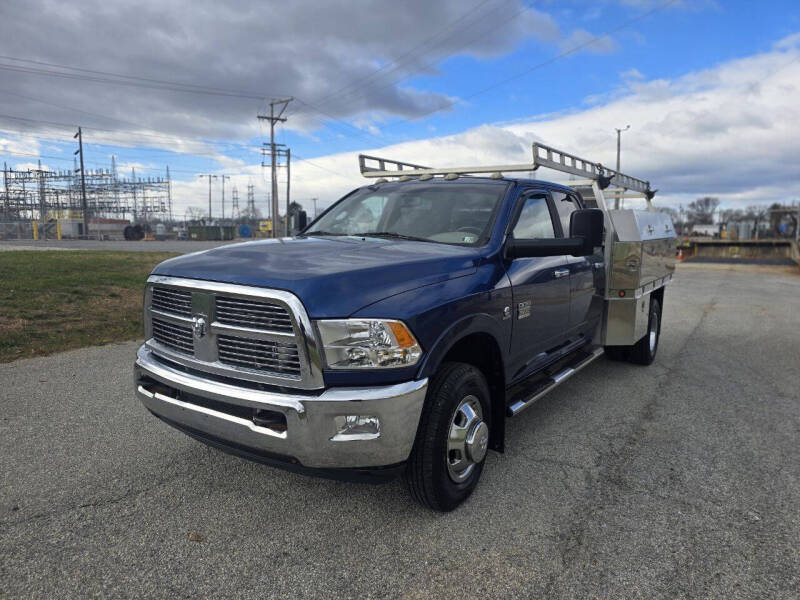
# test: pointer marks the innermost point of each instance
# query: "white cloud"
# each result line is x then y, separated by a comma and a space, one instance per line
19, 147
732, 131
338, 58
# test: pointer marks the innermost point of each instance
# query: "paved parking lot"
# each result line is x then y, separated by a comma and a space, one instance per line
679, 480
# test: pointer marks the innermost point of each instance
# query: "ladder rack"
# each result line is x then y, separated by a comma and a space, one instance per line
546, 156
394, 170
543, 156
397, 168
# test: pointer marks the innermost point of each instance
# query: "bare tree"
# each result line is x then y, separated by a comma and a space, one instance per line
701, 211
195, 214
759, 214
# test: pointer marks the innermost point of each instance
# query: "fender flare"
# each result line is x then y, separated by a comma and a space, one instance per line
477, 323
483, 324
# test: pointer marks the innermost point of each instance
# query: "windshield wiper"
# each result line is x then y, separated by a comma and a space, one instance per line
391, 234
320, 233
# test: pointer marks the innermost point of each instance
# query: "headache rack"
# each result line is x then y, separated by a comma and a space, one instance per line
640, 245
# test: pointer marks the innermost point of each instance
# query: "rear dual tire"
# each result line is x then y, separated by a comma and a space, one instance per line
452, 440
644, 351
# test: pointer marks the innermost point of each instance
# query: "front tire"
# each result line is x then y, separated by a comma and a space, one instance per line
452, 439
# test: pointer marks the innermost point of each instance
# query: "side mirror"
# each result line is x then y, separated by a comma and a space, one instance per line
587, 223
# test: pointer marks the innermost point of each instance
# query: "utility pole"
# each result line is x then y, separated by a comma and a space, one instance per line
210, 177
273, 118
288, 180
224, 177
42, 203
133, 187
84, 205
5, 182
169, 197
314, 200
115, 185
619, 143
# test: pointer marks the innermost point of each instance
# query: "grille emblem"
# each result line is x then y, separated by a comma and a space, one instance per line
199, 327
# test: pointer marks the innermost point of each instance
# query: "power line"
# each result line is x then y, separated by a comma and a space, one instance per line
123, 79
318, 166
431, 63
549, 61
399, 66
397, 62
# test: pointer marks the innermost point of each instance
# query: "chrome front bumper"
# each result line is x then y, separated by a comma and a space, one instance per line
310, 432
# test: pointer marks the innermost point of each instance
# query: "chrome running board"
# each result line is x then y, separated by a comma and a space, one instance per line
554, 381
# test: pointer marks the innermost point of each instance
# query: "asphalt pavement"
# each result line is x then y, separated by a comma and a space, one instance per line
678, 480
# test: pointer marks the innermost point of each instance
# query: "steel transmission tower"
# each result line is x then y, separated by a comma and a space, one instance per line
251, 201
235, 203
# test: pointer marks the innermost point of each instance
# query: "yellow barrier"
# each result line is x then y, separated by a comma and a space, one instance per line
58, 230
36, 230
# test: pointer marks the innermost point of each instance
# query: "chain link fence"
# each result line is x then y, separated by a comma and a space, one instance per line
16, 230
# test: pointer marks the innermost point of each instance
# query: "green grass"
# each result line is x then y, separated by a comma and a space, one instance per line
57, 300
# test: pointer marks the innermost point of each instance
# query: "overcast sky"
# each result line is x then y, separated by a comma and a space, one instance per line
711, 90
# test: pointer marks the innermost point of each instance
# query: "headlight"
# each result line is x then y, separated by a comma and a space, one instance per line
367, 344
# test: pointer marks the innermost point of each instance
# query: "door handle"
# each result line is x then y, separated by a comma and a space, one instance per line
559, 273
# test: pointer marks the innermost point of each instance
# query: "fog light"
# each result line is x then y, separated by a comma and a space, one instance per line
356, 427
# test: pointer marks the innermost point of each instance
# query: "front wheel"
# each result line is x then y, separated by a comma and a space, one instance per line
452, 439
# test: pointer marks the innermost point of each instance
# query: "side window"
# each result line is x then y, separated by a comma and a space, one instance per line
565, 205
534, 220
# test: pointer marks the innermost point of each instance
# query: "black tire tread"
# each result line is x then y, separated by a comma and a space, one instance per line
419, 470
640, 351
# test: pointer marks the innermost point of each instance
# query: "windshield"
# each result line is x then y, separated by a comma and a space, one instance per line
447, 213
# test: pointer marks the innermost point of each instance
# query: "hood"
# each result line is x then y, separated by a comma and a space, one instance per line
333, 277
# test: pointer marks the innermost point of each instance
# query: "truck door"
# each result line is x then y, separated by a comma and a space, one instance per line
585, 305
540, 288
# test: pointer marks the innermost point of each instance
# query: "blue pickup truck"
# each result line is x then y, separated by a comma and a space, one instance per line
397, 332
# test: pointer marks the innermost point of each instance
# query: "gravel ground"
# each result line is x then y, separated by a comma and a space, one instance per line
679, 480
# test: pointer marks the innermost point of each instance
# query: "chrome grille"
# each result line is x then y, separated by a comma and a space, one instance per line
170, 300
177, 337
281, 358
253, 314
233, 331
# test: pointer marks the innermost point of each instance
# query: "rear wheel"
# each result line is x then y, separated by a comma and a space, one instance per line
452, 440
644, 351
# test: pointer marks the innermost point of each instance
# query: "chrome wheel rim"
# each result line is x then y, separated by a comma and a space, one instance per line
467, 439
653, 333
